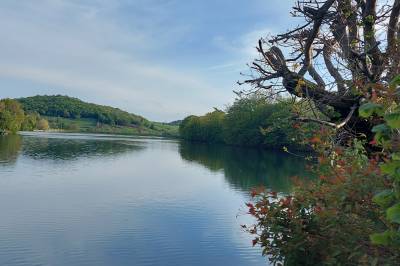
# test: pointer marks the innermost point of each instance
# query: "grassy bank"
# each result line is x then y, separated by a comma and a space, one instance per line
88, 125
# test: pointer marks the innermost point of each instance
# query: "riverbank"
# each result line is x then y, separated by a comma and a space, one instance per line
85, 125
291, 149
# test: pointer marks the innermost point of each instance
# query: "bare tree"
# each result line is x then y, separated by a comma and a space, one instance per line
342, 48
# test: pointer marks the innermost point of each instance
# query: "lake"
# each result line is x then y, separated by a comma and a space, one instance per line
74, 199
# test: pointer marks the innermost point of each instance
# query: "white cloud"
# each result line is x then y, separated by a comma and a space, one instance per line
70, 45
244, 46
124, 52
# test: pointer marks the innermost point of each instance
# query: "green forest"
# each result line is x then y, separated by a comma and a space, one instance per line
68, 107
253, 121
63, 113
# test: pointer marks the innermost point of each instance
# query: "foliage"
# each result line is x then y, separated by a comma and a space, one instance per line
87, 125
11, 116
174, 123
339, 52
327, 222
71, 114
351, 215
387, 137
250, 121
43, 124
207, 128
67, 107
256, 122
30, 122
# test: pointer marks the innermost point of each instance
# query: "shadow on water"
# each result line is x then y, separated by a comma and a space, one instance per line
9, 148
245, 168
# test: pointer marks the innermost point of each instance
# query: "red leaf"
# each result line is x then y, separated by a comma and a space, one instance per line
373, 142
249, 205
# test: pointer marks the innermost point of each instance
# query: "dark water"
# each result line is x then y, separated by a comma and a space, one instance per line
103, 200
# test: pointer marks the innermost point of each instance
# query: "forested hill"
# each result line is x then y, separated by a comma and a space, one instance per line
68, 107
72, 114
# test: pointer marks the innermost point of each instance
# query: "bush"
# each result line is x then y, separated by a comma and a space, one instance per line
73, 127
207, 128
387, 115
250, 121
245, 120
351, 216
30, 122
11, 116
43, 124
328, 222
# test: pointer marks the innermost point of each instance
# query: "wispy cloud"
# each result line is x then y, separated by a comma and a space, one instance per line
143, 56
91, 60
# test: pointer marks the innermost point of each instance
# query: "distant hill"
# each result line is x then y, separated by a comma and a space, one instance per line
175, 123
68, 107
70, 113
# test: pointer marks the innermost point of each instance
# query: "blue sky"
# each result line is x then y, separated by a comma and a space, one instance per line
163, 59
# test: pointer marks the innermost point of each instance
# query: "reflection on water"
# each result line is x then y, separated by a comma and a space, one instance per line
247, 168
73, 199
9, 148
64, 147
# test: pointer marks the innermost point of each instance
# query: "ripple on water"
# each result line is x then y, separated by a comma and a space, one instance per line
105, 200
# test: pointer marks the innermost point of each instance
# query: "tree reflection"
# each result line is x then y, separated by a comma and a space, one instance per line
247, 168
72, 149
10, 146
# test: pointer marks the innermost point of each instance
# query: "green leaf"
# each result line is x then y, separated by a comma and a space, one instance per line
393, 213
382, 133
395, 82
368, 109
396, 156
381, 238
384, 198
390, 168
393, 120
380, 128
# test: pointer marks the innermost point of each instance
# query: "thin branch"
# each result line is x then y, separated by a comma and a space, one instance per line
317, 77
393, 40
332, 70
322, 122
319, 17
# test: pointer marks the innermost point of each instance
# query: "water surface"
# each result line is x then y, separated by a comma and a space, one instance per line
72, 199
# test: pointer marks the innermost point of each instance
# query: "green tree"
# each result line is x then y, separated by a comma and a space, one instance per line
43, 124
250, 121
11, 116
340, 51
207, 128
245, 120
30, 122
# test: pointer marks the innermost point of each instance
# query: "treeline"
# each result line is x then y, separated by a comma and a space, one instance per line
13, 118
250, 121
68, 107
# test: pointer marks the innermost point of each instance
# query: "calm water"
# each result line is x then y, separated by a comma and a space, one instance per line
101, 200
